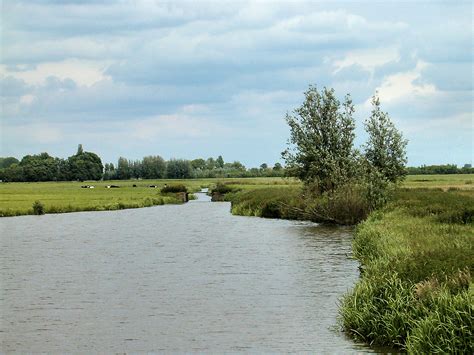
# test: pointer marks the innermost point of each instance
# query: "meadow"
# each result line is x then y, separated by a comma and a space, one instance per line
17, 198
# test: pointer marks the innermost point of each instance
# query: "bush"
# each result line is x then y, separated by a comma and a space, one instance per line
222, 189
174, 189
38, 208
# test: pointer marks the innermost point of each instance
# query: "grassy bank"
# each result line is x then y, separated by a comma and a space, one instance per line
416, 290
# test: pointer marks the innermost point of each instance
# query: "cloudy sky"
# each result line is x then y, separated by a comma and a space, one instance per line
190, 79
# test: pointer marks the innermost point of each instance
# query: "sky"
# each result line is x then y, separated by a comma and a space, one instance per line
190, 79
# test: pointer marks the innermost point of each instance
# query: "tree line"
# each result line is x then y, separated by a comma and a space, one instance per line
88, 166
440, 169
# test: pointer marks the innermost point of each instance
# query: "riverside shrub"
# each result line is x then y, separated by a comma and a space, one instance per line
38, 208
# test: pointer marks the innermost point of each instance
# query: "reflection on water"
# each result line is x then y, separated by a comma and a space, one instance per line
175, 278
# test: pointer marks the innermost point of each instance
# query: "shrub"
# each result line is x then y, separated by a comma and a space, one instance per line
38, 208
222, 189
174, 189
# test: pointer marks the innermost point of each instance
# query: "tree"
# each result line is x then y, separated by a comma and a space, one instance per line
40, 167
123, 169
320, 149
220, 162
153, 167
198, 164
7, 162
277, 167
85, 166
210, 163
264, 166
385, 149
109, 171
178, 169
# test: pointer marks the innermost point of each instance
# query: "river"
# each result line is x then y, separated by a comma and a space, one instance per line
187, 277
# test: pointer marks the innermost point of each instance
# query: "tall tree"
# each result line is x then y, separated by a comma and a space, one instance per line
385, 149
220, 162
123, 169
320, 148
153, 167
178, 169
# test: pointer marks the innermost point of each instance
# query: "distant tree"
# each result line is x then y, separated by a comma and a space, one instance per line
210, 163
264, 166
123, 169
219, 162
320, 149
109, 171
8, 161
198, 164
277, 167
12, 173
178, 169
41, 167
237, 165
153, 167
85, 166
385, 149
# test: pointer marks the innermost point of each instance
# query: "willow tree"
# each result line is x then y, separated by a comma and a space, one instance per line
385, 149
321, 144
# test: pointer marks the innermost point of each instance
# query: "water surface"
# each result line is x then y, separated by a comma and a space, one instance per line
175, 278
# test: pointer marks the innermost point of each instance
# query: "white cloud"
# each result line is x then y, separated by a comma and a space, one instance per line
368, 59
83, 72
404, 84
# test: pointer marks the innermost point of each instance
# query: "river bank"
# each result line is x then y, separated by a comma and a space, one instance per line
416, 288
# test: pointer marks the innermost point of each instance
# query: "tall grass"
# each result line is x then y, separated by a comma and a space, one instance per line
416, 289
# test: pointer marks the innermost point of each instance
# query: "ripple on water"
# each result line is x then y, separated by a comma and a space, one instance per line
172, 278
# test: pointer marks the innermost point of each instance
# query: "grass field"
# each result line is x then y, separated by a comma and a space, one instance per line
18, 198
454, 181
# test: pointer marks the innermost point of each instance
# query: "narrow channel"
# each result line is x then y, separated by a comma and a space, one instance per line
187, 277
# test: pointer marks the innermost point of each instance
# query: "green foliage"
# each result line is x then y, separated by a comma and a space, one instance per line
153, 167
178, 169
385, 149
416, 290
220, 162
123, 169
84, 166
441, 206
7, 162
222, 188
174, 188
41, 167
321, 140
440, 169
38, 208
269, 202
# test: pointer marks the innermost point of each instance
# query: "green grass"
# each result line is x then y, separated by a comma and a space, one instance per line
453, 181
416, 290
59, 197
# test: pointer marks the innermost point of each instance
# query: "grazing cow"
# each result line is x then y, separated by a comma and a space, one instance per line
153, 186
134, 185
112, 186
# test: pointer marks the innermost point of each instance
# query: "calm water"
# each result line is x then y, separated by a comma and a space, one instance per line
191, 277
